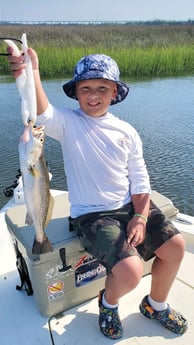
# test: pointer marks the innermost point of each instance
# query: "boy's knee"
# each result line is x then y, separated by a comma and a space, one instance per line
173, 249
179, 245
130, 271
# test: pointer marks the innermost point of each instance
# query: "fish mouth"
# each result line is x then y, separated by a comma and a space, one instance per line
39, 133
38, 129
32, 131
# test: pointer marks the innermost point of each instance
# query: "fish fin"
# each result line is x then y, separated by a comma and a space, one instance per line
50, 211
42, 247
35, 172
28, 220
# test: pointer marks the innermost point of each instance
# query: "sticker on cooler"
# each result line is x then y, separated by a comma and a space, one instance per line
55, 290
88, 269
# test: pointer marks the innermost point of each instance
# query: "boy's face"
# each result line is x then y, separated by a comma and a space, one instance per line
95, 95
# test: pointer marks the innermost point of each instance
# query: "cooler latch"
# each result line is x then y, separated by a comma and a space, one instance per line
65, 267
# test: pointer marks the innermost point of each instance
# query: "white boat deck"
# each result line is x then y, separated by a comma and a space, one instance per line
21, 322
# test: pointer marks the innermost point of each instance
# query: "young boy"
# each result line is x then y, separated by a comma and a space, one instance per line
109, 191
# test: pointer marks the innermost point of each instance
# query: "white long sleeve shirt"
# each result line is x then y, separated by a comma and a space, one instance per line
103, 159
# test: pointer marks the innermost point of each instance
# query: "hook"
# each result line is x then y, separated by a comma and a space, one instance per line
9, 38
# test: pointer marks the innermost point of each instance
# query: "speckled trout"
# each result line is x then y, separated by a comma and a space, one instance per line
35, 176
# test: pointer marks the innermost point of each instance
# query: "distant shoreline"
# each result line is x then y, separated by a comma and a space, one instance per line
98, 22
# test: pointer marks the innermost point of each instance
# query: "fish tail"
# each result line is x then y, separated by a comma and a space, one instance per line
42, 247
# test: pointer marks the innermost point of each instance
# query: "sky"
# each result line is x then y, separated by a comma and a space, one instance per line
96, 10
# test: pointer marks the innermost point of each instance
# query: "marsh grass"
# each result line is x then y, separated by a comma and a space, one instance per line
134, 61
140, 50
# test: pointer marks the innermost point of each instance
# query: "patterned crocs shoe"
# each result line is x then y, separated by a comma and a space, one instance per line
109, 321
169, 318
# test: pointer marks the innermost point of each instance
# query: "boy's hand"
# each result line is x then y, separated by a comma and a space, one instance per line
17, 64
136, 230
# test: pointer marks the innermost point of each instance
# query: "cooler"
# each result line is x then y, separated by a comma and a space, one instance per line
67, 276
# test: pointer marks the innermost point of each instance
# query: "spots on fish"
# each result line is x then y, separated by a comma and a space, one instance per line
35, 176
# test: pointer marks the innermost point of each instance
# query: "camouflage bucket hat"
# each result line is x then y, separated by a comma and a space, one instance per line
97, 66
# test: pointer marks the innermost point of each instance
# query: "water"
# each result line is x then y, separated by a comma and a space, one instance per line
161, 110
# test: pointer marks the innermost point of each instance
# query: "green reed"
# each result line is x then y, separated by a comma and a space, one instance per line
140, 51
134, 61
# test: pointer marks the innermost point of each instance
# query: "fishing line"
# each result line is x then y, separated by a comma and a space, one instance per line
50, 330
9, 38
56, 316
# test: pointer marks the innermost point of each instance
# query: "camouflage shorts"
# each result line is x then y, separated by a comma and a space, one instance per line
104, 234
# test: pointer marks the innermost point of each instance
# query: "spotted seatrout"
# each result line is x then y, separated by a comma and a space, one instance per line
39, 201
